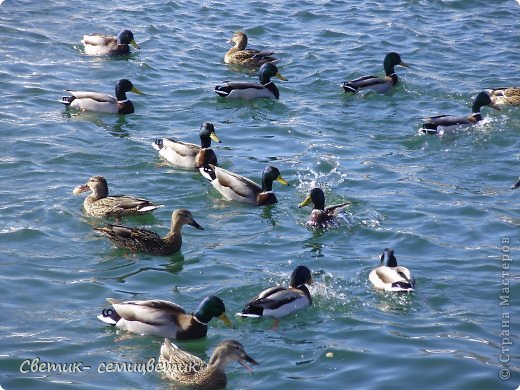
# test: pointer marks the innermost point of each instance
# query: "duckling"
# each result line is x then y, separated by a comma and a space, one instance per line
505, 96
190, 371
516, 184
321, 217
389, 277
248, 90
186, 155
101, 45
100, 102
99, 204
442, 124
164, 318
241, 189
239, 55
375, 83
143, 240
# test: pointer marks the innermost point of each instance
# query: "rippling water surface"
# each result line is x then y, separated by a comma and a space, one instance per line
443, 204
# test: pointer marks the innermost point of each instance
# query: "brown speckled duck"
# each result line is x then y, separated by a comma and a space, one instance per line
144, 240
239, 55
505, 96
321, 216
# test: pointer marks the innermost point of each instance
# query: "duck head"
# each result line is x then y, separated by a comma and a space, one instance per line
210, 307
126, 37
391, 60
300, 276
239, 39
123, 86
269, 175
182, 217
267, 71
97, 184
483, 99
317, 197
228, 351
207, 133
387, 258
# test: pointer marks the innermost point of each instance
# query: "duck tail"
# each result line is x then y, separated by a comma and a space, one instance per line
222, 90
67, 100
208, 172
109, 316
158, 144
349, 88
251, 311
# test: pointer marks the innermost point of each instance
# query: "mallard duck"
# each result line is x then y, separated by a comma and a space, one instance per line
164, 318
505, 96
375, 83
239, 55
99, 204
279, 302
143, 240
190, 371
248, 90
241, 189
516, 184
100, 102
320, 216
100, 45
445, 123
186, 155
390, 277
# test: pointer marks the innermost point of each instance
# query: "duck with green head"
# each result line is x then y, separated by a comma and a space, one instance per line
374, 83
505, 96
102, 45
391, 277
321, 216
239, 55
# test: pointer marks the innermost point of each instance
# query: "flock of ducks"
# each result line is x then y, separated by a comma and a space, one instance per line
169, 320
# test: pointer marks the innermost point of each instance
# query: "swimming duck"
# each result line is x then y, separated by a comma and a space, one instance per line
279, 302
143, 240
100, 102
516, 185
192, 372
444, 123
99, 204
164, 318
505, 96
241, 189
186, 155
248, 90
100, 45
390, 277
376, 83
321, 217
239, 55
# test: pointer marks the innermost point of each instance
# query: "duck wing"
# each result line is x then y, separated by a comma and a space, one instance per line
99, 40
96, 96
153, 312
240, 185
179, 365
336, 209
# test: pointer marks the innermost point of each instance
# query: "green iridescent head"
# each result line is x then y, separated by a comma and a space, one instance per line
210, 307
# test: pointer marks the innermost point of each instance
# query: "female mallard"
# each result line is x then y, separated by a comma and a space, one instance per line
505, 96
374, 83
100, 102
321, 216
241, 189
279, 302
99, 204
389, 277
143, 240
239, 55
192, 372
444, 123
101, 45
186, 155
164, 318
248, 90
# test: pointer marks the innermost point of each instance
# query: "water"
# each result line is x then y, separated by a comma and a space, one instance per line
443, 204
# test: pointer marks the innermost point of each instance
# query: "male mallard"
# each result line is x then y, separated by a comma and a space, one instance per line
389, 277
164, 318
239, 55
241, 189
100, 45
143, 240
279, 302
186, 155
100, 102
505, 96
99, 204
445, 123
516, 185
192, 372
248, 90
376, 83
320, 216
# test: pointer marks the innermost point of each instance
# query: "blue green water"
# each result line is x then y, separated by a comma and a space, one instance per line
443, 204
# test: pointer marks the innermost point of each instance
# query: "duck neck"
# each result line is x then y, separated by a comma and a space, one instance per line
174, 236
205, 142
264, 79
98, 193
121, 96
267, 185
319, 205
242, 43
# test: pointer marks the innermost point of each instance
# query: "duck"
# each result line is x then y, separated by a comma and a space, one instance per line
164, 318
516, 184
99, 204
100, 102
442, 124
248, 90
239, 55
187, 155
321, 216
505, 96
374, 83
391, 277
144, 240
101, 45
279, 302
241, 189
192, 372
